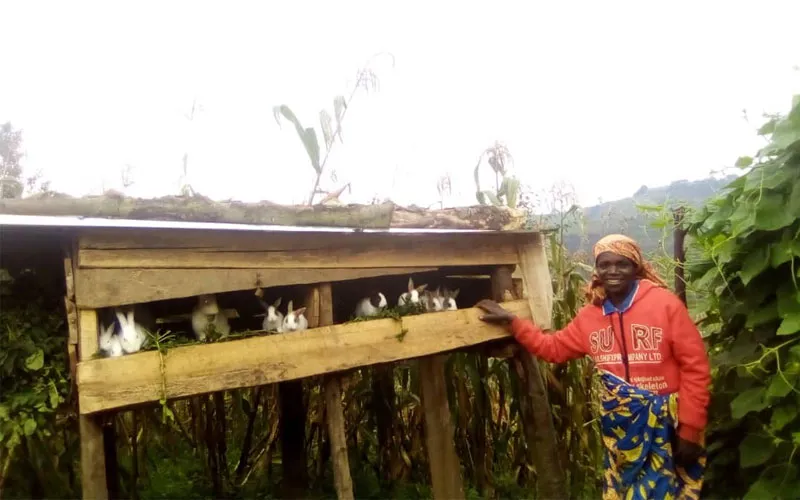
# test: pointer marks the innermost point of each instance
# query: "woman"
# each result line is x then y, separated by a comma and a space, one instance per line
654, 369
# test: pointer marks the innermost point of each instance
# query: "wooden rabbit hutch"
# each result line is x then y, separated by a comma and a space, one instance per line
121, 251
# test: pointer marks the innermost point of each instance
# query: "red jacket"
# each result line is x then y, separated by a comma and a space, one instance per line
661, 351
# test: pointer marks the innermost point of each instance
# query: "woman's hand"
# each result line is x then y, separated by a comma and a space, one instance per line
686, 453
495, 313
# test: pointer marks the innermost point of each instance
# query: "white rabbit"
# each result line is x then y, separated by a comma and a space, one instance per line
205, 314
449, 299
294, 321
109, 342
273, 321
132, 336
412, 295
372, 305
433, 301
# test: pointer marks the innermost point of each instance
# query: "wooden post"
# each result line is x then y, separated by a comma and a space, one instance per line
333, 410
293, 419
439, 432
539, 428
93, 459
679, 252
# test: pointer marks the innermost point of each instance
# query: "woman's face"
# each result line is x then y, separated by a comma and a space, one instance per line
616, 273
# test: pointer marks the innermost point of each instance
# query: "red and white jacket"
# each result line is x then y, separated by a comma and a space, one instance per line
660, 348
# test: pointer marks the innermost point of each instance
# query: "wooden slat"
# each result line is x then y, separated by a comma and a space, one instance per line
96, 288
334, 411
439, 433
88, 333
93, 460
117, 382
119, 239
394, 253
538, 426
536, 281
243, 241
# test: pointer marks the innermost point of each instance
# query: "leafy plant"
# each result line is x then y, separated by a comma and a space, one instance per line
33, 386
507, 187
747, 242
331, 126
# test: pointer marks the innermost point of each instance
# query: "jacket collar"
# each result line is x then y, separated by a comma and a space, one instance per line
609, 307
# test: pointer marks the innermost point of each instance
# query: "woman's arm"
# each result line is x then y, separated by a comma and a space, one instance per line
557, 347
695, 373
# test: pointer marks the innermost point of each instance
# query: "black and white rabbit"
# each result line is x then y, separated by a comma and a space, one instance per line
273, 320
412, 296
449, 299
372, 305
294, 321
433, 301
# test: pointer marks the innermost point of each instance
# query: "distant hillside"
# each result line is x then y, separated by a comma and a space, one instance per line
622, 216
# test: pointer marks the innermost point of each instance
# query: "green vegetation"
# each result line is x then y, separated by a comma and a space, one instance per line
743, 275
747, 270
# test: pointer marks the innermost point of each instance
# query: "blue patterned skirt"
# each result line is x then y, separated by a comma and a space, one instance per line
638, 430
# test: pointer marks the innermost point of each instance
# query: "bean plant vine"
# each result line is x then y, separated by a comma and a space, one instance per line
746, 244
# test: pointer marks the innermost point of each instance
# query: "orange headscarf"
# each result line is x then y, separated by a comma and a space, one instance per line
626, 247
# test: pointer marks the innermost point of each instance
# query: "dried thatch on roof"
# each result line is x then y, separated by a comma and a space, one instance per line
201, 209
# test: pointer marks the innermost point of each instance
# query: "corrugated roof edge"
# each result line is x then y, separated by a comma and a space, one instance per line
72, 221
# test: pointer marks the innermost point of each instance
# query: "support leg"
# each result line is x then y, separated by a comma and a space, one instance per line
93, 459
439, 432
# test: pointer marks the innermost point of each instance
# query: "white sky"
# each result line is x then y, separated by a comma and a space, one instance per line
604, 95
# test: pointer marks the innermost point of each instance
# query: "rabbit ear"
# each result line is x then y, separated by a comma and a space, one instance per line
289, 307
121, 318
455, 293
300, 311
130, 317
421, 288
277, 303
410, 284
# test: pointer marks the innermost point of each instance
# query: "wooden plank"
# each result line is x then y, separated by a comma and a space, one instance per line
96, 288
397, 252
88, 342
72, 317
334, 412
109, 383
93, 460
243, 241
114, 205
133, 238
536, 280
538, 425
439, 439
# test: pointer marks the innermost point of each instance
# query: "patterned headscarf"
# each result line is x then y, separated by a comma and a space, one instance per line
626, 247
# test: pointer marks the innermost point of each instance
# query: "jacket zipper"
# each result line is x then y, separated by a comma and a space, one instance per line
624, 349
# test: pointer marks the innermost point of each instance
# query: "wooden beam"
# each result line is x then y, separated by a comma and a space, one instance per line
88, 342
536, 280
72, 317
114, 205
391, 252
93, 460
97, 288
293, 413
538, 425
109, 383
439, 435
333, 409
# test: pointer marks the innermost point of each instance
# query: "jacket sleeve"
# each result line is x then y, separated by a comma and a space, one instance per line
695, 375
556, 347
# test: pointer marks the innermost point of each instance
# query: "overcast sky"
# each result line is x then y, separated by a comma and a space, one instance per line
607, 96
